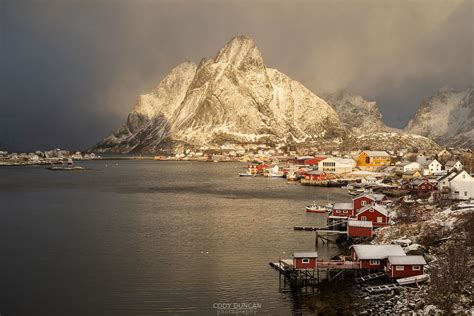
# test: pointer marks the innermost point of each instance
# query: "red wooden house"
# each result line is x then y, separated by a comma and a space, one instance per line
405, 266
421, 186
359, 228
375, 213
367, 199
305, 260
374, 257
315, 175
342, 209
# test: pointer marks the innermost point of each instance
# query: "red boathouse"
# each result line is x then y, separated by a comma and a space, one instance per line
305, 260
374, 257
359, 228
405, 266
367, 199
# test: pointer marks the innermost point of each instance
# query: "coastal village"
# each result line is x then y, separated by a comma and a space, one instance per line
407, 213
400, 217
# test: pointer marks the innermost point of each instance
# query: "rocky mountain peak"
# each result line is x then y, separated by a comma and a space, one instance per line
357, 114
447, 117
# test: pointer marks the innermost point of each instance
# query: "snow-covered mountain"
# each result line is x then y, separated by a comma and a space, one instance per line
447, 117
230, 99
357, 114
234, 100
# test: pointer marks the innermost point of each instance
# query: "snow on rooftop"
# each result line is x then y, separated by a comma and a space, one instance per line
378, 251
353, 223
379, 208
406, 260
342, 206
307, 254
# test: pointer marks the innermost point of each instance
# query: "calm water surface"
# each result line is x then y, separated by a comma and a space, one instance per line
144, 237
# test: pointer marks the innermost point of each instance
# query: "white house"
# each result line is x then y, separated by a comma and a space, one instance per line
407, 166
432, 167
452, 164
460, 184
336, 165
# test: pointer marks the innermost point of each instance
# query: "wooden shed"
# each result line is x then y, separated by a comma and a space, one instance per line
305, 260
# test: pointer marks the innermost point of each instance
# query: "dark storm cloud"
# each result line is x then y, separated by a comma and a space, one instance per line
72, 70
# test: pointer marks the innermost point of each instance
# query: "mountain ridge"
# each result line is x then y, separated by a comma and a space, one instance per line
233, 99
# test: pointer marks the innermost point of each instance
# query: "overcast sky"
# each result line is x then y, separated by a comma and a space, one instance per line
72, 70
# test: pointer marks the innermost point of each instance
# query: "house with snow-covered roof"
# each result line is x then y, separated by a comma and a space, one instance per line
460, 185
376, 213
374, 256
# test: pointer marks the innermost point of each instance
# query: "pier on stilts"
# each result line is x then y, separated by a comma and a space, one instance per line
324, 270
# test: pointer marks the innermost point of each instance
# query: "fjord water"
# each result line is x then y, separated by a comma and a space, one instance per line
146, 237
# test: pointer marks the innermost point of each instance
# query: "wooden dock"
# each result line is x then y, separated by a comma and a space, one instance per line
381, 288
370, 277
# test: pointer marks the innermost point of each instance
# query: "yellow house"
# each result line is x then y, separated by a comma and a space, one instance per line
371, 160
411, 175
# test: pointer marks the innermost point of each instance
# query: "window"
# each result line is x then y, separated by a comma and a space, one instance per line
345, 211
363, 203
363, 218
379, 219
305, 260
374, 262
371, 210
416, 268
399, 268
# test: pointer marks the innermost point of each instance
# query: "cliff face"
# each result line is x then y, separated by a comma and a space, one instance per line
447, 117
357, 114
232, 98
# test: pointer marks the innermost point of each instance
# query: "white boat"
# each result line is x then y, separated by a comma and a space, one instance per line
348, 187
413, 279
316, 208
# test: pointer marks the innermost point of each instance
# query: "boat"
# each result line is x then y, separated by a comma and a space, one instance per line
315, 208
413, 279
246, 174
356, 192
348, 187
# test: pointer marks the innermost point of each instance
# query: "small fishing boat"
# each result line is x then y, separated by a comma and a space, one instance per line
347, 187
413, 279
246, 174
316, 208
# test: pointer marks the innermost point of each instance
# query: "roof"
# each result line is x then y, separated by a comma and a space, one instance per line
307, 254
372, 196
374, 153
451, 163
344, 160
406, 260
429, 162
342, 206
379, 208
353, 223
406, 163
377, 251
450, 175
